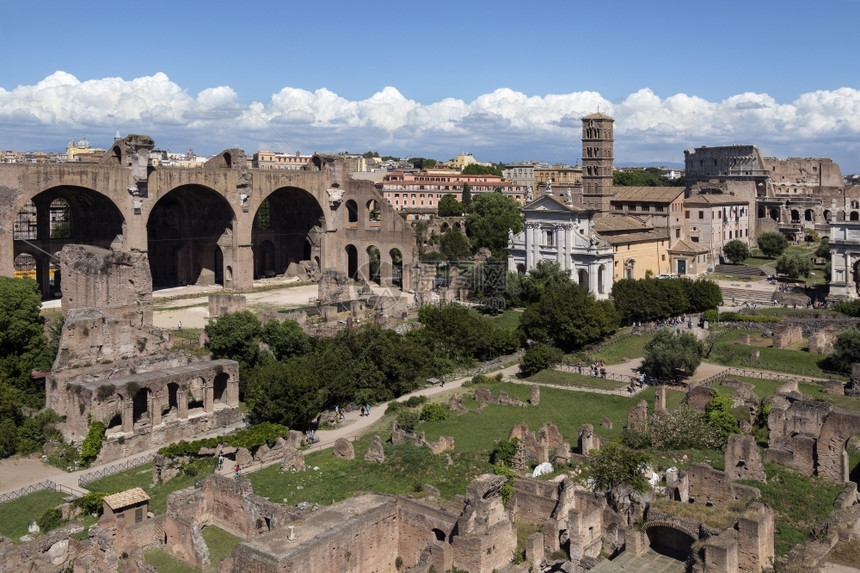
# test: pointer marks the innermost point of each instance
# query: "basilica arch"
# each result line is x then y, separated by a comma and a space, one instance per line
202, 225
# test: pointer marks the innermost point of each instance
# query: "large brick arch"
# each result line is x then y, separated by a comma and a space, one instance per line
126, 180
93, 219
190, 237
671, 538
287, 230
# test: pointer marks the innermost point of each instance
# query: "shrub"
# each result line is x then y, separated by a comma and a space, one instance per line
51, 519
415, 401
90, 503
433, 413
539, 357
393, 407
504, 452
407, 420
92, 444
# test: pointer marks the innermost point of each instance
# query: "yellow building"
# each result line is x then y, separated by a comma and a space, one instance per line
637, 247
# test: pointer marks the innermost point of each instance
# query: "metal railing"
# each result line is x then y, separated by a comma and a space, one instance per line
41, 486
115, 469
760, 375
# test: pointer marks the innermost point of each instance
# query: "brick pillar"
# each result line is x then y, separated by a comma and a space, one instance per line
660, 399
182, 404
550, 535
209, 397
232, 391
154, 407
128, 416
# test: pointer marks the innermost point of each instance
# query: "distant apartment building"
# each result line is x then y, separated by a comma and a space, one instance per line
559, 177
418, 193
274, 160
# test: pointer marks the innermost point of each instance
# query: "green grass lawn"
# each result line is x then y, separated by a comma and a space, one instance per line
15, 515
509, 320
559, 378
625, 348
141, 477
219, 542
407, 468
799, 504
729, 352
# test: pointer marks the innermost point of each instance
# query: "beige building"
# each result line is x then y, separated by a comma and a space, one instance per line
639, 249
274, 160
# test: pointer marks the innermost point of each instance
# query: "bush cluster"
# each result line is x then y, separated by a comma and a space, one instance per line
250, 438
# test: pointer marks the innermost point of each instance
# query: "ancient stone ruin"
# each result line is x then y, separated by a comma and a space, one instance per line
113, 366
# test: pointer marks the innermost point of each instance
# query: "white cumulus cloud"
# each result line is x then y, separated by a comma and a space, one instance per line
504, 125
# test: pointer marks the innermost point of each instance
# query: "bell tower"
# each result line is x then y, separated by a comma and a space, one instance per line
597, 153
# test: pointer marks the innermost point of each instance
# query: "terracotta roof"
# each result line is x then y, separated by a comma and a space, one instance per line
637, 237
126, 498
615, 223
649, 193
683, 246
715, 200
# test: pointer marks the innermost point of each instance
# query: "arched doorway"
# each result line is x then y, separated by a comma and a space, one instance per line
671, 542
582, 278
220, 388
183, 231
59, 216
374, 259
396, 267
288, 230
352, 262
140, 408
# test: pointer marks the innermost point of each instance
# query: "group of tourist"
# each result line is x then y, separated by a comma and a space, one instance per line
597, 368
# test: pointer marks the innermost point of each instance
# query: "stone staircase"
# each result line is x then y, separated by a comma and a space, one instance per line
739, 271
738, 295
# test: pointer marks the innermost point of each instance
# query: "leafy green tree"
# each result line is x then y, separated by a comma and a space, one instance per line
823, 249
23, 346
614, 469
846, 350
719, 413
772, 244
702, 294
568, 317
491, 217
638, 179
449, 206
433, 412
466, 197
524, 289
454, 246
285, 393
504, 452
643, 300
235, 336
736, 251
460, 334
285, 338
478, 169
539, 357
670, 355
794, 266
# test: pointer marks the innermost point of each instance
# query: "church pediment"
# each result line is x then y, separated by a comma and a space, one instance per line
546, 203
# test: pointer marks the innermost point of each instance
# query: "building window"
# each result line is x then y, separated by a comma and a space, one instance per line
701, 214
687, 214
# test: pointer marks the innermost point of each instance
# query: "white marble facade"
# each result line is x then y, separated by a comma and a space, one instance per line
558, 231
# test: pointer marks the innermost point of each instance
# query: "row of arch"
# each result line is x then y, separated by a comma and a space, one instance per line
189, 233
807, 215
371, 265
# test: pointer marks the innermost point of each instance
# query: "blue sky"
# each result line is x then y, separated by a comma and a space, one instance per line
506, 81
